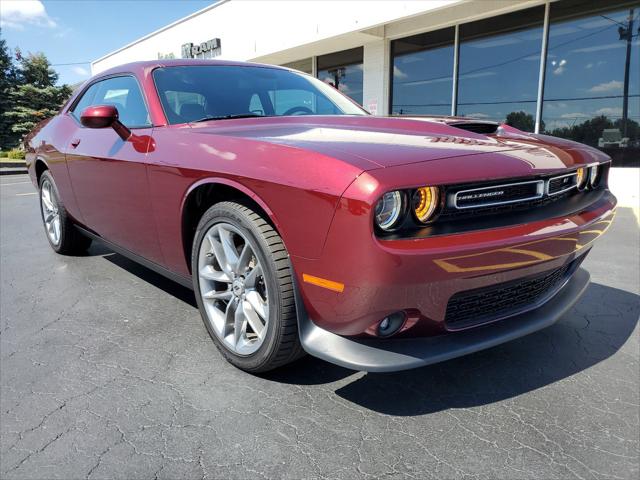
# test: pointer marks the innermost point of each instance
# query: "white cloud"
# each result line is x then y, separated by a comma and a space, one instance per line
599, 63
80, 71
559, 67
598, 48
574, 115
498, 42
397, 73
555, 105
17, 14
612, 86
610, 112
466, 76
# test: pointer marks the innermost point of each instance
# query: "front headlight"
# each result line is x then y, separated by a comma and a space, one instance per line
389, 210
594, 176
425, 201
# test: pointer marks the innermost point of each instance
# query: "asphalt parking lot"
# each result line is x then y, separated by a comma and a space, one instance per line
107, 371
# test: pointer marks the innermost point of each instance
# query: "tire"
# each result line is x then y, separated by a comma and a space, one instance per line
61, 233
246, 298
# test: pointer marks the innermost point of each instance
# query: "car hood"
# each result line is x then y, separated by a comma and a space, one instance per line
370, 142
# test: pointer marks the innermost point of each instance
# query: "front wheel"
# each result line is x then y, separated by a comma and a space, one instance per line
62, 234
244, 288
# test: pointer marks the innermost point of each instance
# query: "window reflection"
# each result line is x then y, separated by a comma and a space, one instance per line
422, 73
304, 65
499, 68
343, 70
585, 78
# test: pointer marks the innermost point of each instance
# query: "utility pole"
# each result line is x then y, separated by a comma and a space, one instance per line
337, 74
628, 35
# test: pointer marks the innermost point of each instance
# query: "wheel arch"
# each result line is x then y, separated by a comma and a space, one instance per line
40, 166
207, 192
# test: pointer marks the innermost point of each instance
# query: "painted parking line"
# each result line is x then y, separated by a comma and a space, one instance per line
24, 194
16, 183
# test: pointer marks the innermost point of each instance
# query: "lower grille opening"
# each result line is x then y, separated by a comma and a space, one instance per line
483, 305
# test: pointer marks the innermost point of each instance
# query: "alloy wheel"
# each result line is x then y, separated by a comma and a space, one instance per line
233, 288
50, 213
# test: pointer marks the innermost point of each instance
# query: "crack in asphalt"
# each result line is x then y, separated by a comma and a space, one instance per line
110, 375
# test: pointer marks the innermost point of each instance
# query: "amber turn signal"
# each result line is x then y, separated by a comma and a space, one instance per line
323, 282
582, 178
425, 202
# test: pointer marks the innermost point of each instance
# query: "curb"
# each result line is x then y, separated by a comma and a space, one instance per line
13, 170
12, 164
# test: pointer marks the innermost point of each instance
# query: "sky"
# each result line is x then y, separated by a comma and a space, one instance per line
78, 31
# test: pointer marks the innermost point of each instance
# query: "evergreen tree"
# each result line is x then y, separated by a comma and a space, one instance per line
8, 80
36, 96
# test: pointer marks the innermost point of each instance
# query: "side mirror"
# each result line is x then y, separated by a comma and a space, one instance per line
104, 116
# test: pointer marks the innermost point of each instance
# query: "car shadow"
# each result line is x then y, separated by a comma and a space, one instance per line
183, 294
588, 334
584, 337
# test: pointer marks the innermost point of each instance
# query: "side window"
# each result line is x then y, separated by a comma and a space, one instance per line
255, 105
85, 101
121, 92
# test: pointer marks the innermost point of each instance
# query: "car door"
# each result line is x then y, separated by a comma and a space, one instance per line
109, 174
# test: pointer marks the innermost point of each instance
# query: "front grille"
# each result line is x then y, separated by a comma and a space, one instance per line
450, 213
507, 193
563, 183
482, 305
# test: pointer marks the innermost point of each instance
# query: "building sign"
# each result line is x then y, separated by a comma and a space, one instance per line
166, 56
208, 49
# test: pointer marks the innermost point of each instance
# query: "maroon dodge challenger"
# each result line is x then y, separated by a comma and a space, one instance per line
304, 224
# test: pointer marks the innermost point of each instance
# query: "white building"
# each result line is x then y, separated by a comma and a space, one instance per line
542, 65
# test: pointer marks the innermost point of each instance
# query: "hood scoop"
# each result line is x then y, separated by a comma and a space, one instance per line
483, 128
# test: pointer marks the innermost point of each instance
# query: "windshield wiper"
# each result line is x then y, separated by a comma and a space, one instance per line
229, 117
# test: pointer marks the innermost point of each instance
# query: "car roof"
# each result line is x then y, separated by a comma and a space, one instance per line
148, 65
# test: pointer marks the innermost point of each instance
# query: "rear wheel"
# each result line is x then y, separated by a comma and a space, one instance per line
62, 234
244, 289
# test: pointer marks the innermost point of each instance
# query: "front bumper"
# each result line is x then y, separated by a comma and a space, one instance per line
421, 276
380, 355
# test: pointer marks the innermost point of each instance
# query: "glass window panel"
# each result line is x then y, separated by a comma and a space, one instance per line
189, 93
499, 67
85, 101
344, 71
422, 77
584, 85
124, 93
305, 65
121, 92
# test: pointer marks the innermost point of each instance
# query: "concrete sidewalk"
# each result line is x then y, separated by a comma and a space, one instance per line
625, 185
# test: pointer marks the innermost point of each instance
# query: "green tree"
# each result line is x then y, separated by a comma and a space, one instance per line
36, 96
36, 70
8, 80
522, 121
587, 132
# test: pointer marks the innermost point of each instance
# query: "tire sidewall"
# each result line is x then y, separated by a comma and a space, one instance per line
224, 214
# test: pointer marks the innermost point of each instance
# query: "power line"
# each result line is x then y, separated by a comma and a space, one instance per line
72, 63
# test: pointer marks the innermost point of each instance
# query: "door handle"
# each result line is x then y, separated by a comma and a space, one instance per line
75, 142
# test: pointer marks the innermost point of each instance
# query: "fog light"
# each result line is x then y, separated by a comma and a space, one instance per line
391, 324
